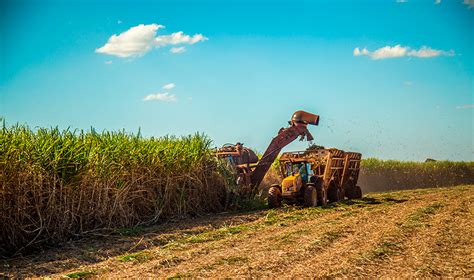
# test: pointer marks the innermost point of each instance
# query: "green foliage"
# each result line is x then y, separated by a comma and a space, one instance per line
376, 165
418, 218
135, 257
80, 274
382, 175
132, 231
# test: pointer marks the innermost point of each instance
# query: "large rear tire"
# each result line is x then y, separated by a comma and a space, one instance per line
321, 192
341, 194
349, 191
357, 192
334, 193
310, 196
274, 197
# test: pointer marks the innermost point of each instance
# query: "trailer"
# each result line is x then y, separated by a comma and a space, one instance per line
316, 176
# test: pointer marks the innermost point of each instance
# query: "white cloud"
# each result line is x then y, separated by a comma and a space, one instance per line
402, 1
108, 62
164, 97
140, 39
399, 51
465, 106
358, 52
388, 52
178, 50
134, 42
178, 38
408, 83
425, 52
470, 3
437, 2
169, 86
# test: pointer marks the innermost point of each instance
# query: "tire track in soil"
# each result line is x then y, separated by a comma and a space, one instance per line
329, 244
266, 260
206, 255
367, 231
415, 248
451, 230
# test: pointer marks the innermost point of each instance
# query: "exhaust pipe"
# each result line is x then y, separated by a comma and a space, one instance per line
302, 117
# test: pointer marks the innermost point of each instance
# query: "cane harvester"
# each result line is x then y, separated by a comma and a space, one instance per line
249, 170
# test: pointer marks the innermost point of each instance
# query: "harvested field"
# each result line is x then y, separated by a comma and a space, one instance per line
410, 233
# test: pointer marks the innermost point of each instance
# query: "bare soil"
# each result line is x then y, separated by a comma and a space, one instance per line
411, 233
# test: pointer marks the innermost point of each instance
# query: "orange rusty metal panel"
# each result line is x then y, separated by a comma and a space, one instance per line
305, 118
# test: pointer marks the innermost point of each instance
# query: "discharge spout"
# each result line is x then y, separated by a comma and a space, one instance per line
302, 117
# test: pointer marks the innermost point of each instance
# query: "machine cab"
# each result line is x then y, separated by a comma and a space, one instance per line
295, 174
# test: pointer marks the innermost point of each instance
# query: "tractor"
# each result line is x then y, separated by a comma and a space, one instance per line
316, 176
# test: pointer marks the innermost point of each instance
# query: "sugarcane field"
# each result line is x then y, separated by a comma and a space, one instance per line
236, 139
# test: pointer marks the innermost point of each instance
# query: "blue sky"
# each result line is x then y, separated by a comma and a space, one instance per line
391, 79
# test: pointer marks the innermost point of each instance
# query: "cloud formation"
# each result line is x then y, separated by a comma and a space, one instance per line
178, 38
164, 97
169, 86
465, 106
177, 50
399, 51
140, 39
470, 3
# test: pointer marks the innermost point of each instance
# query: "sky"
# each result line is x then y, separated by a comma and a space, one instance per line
389, 79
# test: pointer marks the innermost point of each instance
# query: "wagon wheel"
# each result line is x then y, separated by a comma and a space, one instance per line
310, 196
357, 192
274, 196
321, 192
349, 190
334, 193
341, 194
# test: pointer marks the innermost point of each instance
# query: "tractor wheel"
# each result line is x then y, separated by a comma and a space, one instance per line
274, 197
341, 194
321, 192
349, 191
357, 192
310, 196
334, 193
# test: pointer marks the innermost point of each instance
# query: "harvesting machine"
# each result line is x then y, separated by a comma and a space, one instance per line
314, 176
323, 168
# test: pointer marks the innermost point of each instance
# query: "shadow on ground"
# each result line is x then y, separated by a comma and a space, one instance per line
98, 247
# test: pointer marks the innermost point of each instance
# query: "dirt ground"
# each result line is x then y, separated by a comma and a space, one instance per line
413, 233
